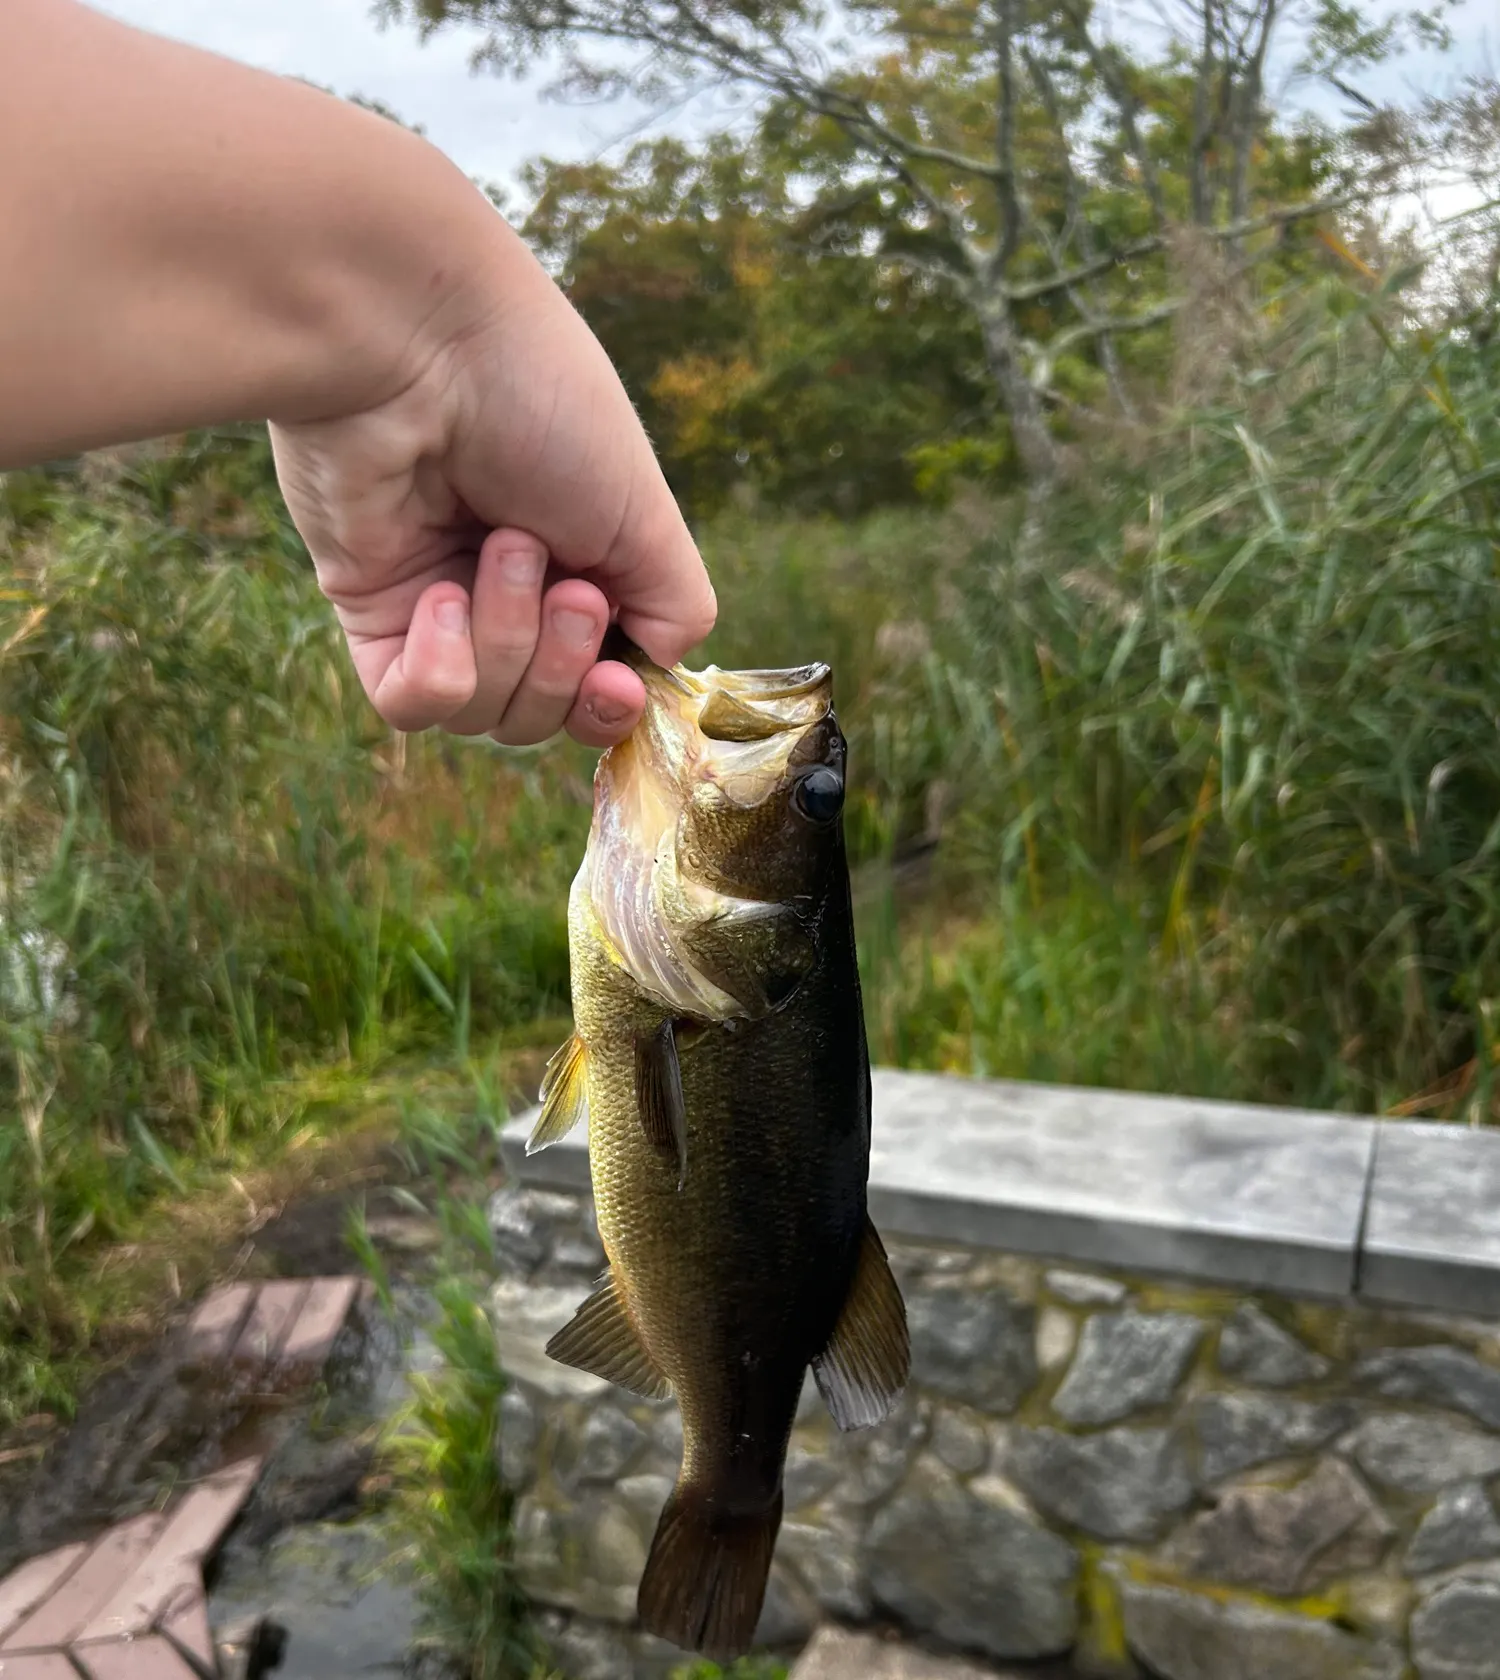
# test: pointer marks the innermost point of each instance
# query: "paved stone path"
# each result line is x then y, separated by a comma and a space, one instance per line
129, 1604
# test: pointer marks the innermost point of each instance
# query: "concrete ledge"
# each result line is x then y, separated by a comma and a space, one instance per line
1432, 1229
1293, 1201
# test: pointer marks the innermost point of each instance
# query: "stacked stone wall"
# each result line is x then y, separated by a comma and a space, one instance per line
1138, 1475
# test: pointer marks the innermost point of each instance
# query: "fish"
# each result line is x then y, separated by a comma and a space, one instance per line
720, 1062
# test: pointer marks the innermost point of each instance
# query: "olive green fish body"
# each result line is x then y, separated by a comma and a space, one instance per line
737, 1277
719, 1053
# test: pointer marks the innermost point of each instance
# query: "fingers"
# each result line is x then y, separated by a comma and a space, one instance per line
507, 620
517, 660
425, 674
574, 617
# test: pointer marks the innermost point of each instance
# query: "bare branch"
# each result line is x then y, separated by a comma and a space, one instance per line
1009, 233
1052, 352
1281, 217
1105, 60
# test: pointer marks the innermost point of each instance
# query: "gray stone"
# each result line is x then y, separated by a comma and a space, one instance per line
666, 1433
1082, 1289
1271, 1198
972, 1346
1056, 1337
1431, 1236
1455, 1635
1238, 1431
976, 1574
607, 1444
643, 1497
1183, 1635
1121, 1484
588, 1556
1460, 1528
808, 1475
525, 1225
1286, 1540
518, 1436
960, 1442
788, 1614
1255, 1348
525, 1317
1127, 1362
1422, 1454
837, 1654
585, 1650
870, 1463
824, 1556
580, 1253
810, 1400
1438, 1376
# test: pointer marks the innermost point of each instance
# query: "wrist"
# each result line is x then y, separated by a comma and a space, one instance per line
190, 241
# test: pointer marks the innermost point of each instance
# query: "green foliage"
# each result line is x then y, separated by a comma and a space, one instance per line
767, 355
1242, 723
452, 1510
742, 1668
209, 886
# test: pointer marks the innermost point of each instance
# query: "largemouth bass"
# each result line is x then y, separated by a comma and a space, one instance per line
719, 1055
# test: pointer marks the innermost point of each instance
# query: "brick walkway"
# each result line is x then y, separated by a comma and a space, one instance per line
130, 1604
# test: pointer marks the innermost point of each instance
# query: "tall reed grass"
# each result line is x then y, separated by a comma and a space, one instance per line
1197, 788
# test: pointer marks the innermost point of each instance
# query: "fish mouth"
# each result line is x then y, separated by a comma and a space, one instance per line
728, 706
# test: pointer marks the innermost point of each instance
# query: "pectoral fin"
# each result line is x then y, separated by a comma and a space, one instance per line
864, 1368
658, 1095
601, 1339
564, 1095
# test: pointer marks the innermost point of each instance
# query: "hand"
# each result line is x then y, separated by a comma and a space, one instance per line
476, 530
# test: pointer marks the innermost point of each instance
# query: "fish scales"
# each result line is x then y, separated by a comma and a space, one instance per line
719, 1055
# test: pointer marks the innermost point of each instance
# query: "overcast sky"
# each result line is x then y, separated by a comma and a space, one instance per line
490, 126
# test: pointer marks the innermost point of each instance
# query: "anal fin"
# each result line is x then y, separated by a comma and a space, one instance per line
863, 1370
564, 1095
658, 1095
601, 1339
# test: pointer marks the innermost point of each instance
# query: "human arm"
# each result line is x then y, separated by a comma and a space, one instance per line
186, 241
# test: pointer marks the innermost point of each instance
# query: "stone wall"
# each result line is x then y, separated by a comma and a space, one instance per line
1142, 1473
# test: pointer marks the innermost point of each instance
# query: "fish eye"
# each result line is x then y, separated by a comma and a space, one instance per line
819, 796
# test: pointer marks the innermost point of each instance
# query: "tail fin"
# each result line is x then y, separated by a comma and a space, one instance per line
705, 1579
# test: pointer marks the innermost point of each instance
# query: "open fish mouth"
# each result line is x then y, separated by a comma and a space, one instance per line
752, 705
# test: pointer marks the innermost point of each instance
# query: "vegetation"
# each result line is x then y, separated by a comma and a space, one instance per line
452, 1511
1184, 776
1025, 162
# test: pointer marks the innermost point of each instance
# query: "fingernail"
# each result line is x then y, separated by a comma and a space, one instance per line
606, 713
576, 627
452, 617
522, 568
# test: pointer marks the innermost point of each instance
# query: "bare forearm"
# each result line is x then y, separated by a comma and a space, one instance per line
184, 240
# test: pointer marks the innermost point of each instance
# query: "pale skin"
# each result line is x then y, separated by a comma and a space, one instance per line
187, 242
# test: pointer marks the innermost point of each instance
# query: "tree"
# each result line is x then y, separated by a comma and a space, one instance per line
761, 348
1010, 148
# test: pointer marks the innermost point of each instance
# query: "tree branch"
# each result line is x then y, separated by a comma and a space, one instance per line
1283, 216
1055, 348
1008, 235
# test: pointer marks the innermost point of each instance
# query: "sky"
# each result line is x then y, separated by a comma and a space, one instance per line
490, 126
